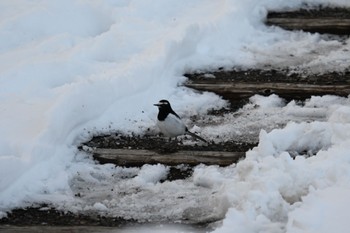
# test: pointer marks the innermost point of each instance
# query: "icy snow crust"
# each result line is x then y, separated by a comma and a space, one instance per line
73, 69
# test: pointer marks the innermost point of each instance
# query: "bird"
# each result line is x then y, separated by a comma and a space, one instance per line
170, 124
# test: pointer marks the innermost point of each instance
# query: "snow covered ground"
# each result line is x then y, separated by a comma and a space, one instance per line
73, 69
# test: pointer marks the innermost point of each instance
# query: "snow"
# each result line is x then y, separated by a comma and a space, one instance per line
322, 216
73, 69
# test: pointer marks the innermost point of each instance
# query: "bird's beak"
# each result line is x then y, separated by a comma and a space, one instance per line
156, 105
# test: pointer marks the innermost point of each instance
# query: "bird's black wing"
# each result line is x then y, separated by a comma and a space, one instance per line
174, 113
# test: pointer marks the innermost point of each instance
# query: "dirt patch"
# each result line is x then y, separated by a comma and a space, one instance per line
321, 20
272, 76
162, 145
48, 216
312, 12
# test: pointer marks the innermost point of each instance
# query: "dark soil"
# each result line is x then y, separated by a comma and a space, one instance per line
161, 144
331, 21
47, 216
272, 76
312, 12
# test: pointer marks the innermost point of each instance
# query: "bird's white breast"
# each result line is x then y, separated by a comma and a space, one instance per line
172, 126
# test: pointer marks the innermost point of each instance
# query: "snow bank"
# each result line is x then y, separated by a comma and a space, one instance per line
270, 188
73, 69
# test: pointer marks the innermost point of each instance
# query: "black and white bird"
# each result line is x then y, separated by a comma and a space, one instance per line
170, 124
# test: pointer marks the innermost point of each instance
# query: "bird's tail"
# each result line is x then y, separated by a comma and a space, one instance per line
196, 136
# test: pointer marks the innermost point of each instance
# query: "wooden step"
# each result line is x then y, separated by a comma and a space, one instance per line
137, 158
327, 20
234, 91
320, 25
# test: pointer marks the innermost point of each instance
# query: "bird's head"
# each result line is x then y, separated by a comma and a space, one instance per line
162, 104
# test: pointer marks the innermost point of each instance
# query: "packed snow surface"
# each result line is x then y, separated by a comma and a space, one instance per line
73, 69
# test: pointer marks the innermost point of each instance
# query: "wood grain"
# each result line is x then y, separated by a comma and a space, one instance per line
317, 24
236, 91
130, 158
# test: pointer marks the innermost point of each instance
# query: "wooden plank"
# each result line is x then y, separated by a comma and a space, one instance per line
321, 25
237, 91
137, 158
